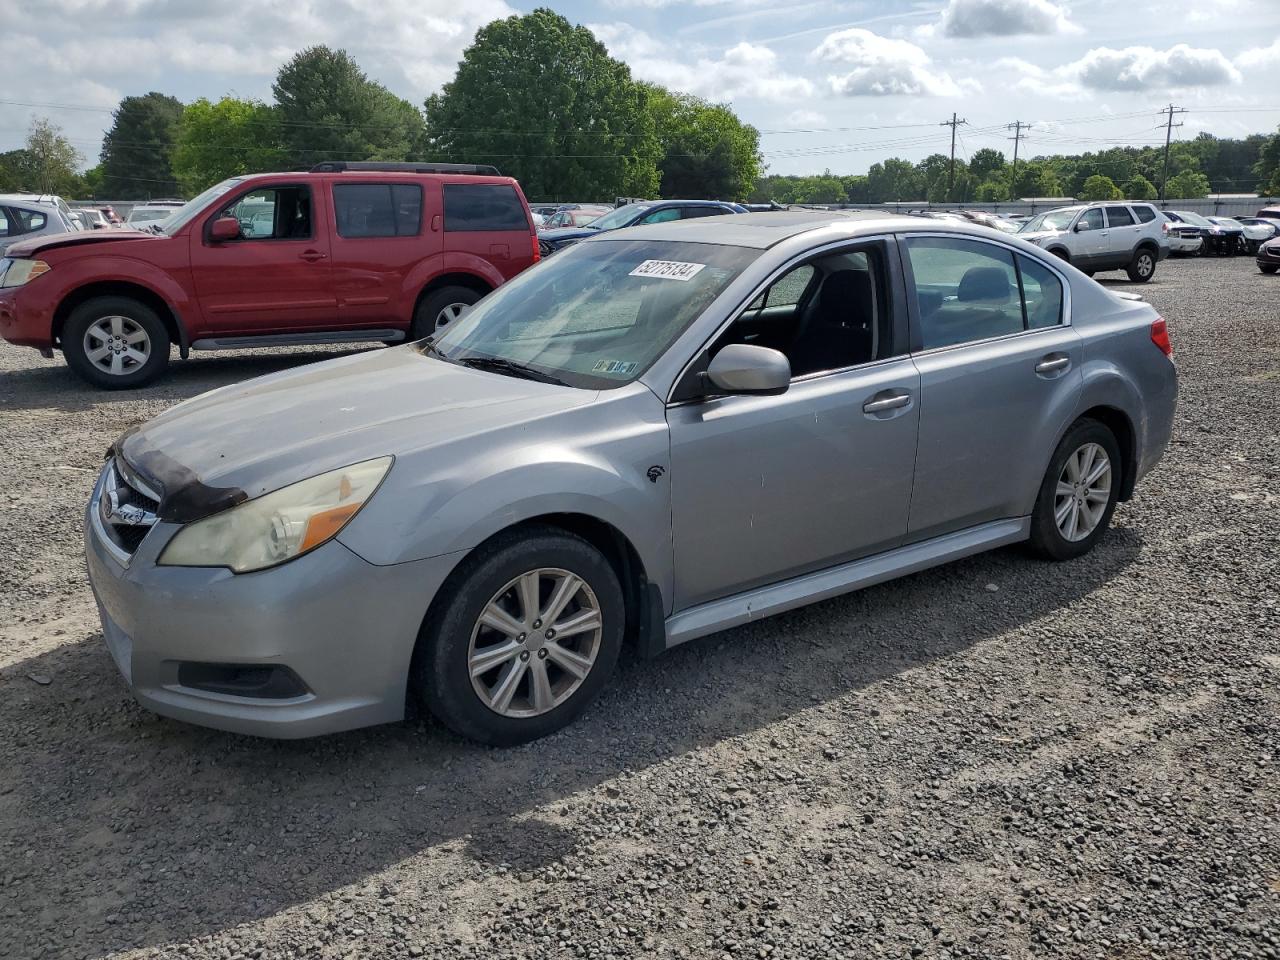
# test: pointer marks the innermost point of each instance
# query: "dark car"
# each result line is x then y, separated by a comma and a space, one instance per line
1269, 256
634, 215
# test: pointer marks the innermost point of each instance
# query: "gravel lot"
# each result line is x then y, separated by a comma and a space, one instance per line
997, 758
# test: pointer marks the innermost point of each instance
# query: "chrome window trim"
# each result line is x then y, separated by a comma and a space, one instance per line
1044, 261
736, 313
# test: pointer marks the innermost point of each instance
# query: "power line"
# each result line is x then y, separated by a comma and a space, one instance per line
951, 167
1018, 136
1168, 135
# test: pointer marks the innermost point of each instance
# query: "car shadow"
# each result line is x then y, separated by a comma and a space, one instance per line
166, 831
50, 384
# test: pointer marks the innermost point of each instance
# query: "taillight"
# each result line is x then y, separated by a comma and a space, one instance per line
1160, 336
537, 249
1164, 227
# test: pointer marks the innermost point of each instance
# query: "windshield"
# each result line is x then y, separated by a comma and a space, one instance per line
1053, 220
185, 213
1194, 218
619, 217
598, 314
144, 216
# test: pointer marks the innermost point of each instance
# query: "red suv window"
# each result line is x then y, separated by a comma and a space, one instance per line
378, 209
482, 207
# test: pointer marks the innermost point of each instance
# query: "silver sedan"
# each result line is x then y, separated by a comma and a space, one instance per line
657, 434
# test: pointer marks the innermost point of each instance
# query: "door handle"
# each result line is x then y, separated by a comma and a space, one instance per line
1053, 364
311, 256
887, 401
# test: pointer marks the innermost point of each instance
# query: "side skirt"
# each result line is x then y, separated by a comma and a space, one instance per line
780, 597
297, 339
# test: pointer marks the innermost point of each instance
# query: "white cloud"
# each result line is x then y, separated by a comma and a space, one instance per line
881, 66
1004, 18
745, 70
1260, 56
1144, 68
805, 119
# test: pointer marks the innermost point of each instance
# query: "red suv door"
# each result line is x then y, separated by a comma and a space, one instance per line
276, 277
380, 242
489, 220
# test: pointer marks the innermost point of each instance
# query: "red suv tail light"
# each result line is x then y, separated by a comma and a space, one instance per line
537, 249
1160, 336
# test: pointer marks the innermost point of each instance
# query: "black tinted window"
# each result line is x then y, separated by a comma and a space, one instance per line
378, 209
1145, 214
482, 206
691, 213
965, 290
1119, 217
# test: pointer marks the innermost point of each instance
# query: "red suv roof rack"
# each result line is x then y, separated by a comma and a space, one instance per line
343, 166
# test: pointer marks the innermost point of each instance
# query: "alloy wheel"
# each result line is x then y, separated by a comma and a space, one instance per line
535, 642
1146, 264
1083, 492
448, 314
117, 345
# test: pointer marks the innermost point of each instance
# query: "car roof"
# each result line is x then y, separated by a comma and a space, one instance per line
764, 230
24, 203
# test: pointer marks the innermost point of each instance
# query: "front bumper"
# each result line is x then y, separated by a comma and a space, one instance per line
345, 627
26, 316
1269, 256
1185, 244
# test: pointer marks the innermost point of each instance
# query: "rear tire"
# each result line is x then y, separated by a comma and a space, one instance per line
438, 309
115, 343
464, 633
1064, 494
1143, 266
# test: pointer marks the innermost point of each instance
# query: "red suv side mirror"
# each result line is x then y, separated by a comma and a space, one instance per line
225, 228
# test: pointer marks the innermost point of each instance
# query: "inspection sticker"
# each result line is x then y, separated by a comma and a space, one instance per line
614, 366
668, 270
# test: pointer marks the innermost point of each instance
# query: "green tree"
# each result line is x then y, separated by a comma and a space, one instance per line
985, 162
1140, 188
1267, 166
50, 162
991, 190
137, 151
1099, 187
894, 180
1036, 179
1187, 185
543, 99
707, 151
329, 110
225, 139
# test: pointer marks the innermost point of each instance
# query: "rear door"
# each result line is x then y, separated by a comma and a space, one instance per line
277, 276
489, 221
381, 234
999, 379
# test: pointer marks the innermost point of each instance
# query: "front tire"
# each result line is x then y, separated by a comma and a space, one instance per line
1078, 494
440, 308
527, 635
1143, 266
1267, 267
115, 343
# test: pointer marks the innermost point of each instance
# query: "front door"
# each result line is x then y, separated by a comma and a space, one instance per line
768, 487
1091, 239
276, 277
999, 380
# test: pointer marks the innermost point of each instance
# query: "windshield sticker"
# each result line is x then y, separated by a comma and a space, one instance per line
623, 367
667, 270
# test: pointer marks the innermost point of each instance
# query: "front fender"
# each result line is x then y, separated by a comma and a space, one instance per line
78, 274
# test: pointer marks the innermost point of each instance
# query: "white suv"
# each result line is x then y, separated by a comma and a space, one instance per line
1103, 236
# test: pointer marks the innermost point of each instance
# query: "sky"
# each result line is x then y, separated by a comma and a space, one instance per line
831, 84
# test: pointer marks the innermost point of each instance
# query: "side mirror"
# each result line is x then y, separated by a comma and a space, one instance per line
225, 228
743, 368
1081, 226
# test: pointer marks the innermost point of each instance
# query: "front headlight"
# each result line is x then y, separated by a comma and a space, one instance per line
279, 526
16, 272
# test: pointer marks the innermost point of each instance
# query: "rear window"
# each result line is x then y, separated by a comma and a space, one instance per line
378, 209
482, 206
1145, 214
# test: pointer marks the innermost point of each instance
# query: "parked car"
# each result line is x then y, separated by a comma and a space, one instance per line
1268, 256
1103, 236
636, 214
93, 218
1269, 213
145, 214
657, 434
24, 220
354, 252
112, 217
1186, 231
577, 217
46, 200
1227, 236
1257, 231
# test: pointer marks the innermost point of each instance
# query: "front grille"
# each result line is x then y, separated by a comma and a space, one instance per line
127, 511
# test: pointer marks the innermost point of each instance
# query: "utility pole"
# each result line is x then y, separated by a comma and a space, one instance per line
1018, 135
951, 169
1168, 136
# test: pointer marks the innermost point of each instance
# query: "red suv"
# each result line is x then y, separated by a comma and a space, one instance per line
346, 252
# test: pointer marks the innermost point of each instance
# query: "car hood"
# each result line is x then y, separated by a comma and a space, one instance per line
1035, 235
247, 439
561, 234
37, 245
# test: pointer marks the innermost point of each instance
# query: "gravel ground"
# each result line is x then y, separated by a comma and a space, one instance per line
999, 758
